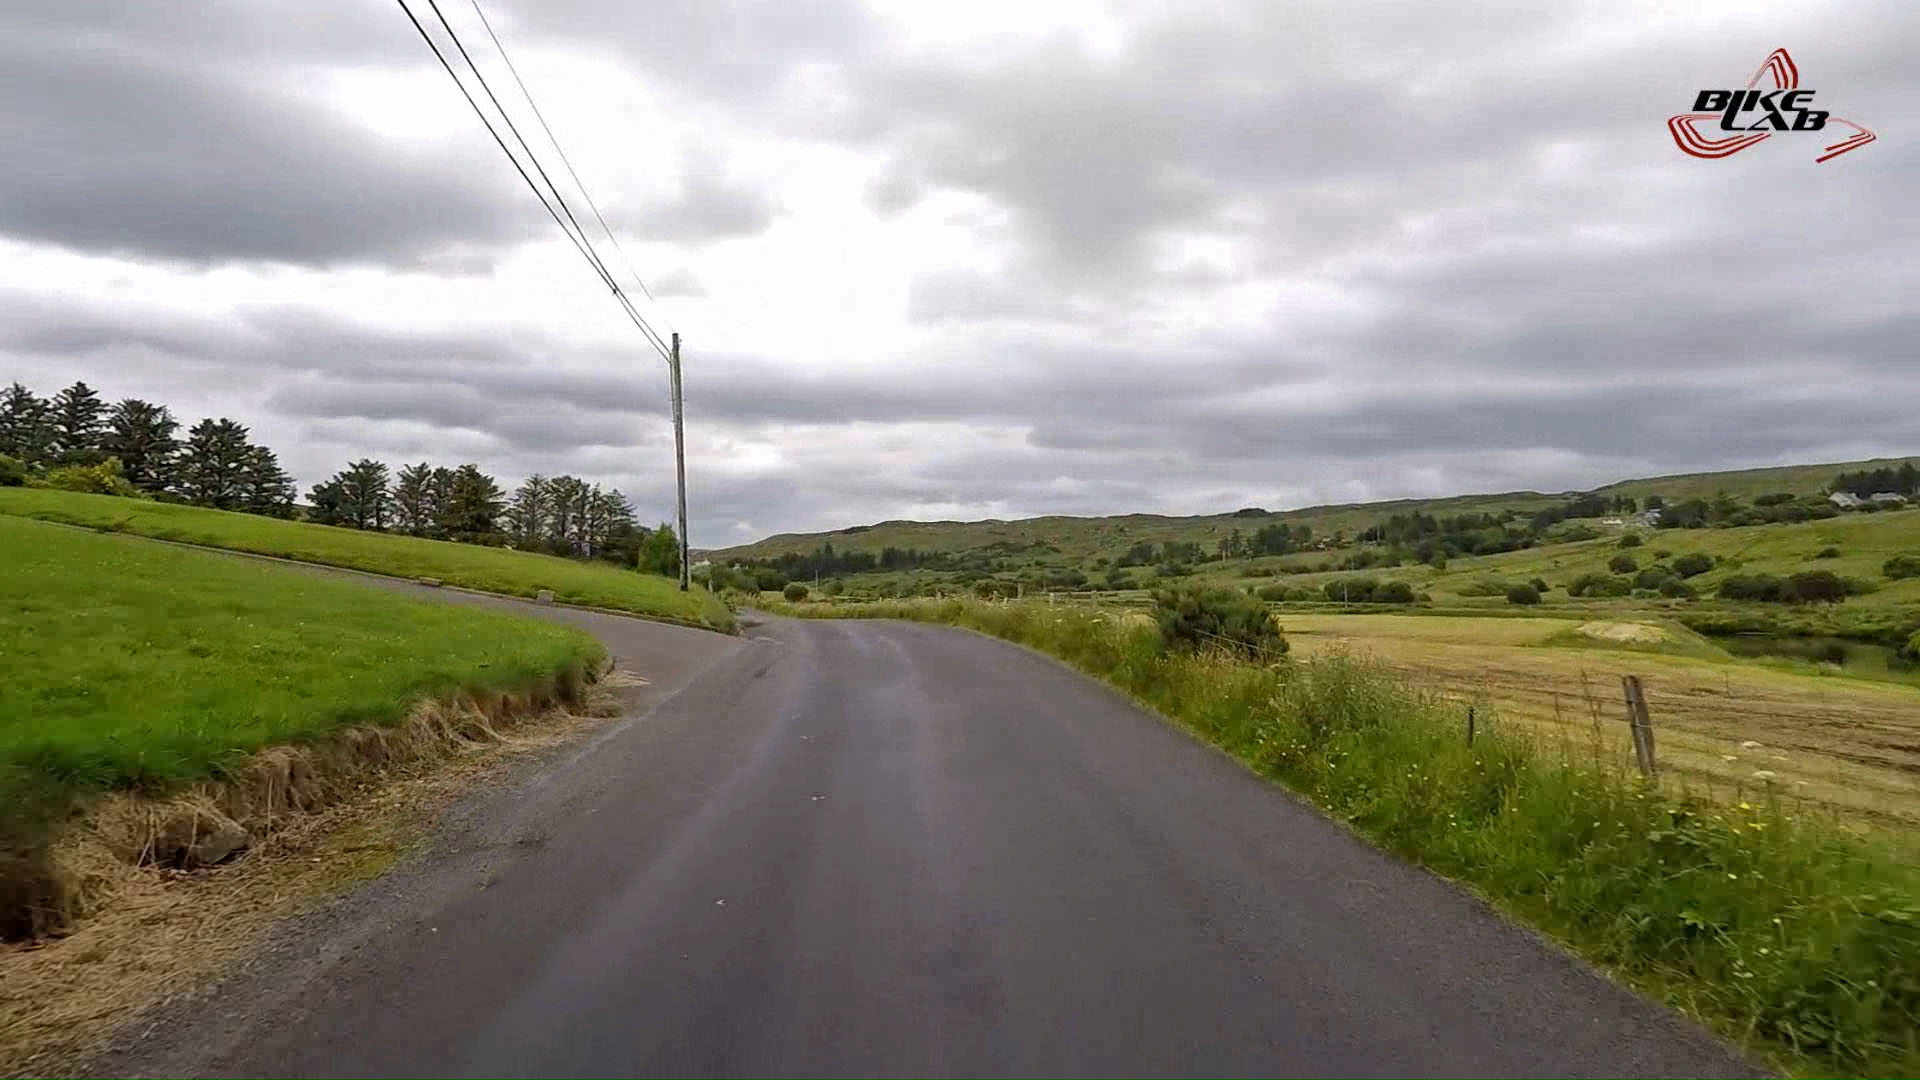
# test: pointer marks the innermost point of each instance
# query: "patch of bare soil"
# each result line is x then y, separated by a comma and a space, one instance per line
150, 920
1631, 632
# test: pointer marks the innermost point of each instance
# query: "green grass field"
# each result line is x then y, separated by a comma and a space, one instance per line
1864, 542
516, 573
130, 665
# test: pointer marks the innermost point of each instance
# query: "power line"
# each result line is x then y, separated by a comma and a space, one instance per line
593, 256
575, 234
564, 160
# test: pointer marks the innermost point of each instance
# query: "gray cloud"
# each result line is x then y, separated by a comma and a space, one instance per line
199, 137
1259, 254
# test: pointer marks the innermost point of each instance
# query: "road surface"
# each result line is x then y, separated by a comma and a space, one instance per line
864, 848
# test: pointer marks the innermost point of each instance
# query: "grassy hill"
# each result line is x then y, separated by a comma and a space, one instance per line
517, 573
132, 666
1073, 539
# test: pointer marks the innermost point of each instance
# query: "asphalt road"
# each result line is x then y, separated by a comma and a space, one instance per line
860, 848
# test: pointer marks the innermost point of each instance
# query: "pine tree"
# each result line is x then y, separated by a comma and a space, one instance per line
266, 487
140, 434
26, 426
526, 514
213, 464
356, 496
360, 495
415, 507
440, 484
473, 508
566, 498
326, 499
79, 420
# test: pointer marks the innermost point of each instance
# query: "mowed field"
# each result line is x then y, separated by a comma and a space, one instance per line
516, 573
126, 664
1846, 743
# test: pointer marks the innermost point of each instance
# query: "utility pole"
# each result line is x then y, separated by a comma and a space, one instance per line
680, 457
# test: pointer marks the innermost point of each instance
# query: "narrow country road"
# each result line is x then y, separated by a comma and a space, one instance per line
864, 848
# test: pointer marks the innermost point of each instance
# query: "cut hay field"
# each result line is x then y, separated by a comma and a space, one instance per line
516, 573
1846, 743
128, 665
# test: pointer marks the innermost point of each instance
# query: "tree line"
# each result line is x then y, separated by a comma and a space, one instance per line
134, 447
78, 442
1904, 480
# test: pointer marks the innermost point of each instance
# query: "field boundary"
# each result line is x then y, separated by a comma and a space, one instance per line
217, 818
338, 569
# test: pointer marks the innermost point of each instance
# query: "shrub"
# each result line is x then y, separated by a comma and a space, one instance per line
13, 472
1693, 564
1812, 587
1901, 566
1674, 589
1817, 587
1827, 553
794, 592
1631, 540
1623, 564
1275, 591
102, 479
1523, 594
1599, 585
1539, 585
1912, 650
1201, 618
1350, 590
1756, 587
1393, 592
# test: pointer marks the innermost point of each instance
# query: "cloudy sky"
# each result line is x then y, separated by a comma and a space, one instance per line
983, 259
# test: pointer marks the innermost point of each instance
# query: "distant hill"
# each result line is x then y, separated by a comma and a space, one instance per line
1076, 538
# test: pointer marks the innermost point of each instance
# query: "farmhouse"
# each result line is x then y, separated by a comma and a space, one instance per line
1887, 498
1650, 517
1845, 500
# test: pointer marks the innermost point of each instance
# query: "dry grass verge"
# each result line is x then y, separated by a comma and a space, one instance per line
145, 924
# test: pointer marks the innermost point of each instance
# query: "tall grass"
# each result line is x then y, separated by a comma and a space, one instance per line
1784, 931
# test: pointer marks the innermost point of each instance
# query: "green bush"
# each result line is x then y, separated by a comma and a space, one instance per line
1674, 589
794, 592
1827, 553
1623, 564
1901, 566
1539, 585
1523, 594
1811, 587
1599, 585
1394, 592
13, 472
102, 479
1912, 649
1204, 619
1693, 564
1631, 540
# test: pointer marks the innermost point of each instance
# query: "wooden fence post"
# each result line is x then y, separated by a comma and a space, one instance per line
1641, 725
1469, 725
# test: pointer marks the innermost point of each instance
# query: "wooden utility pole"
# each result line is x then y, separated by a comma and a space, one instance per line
680, 458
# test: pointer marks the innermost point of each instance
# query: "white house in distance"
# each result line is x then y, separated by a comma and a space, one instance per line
1845, 500
1887, 498
1650, 517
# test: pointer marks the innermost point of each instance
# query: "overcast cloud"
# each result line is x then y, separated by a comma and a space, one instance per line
992, 259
